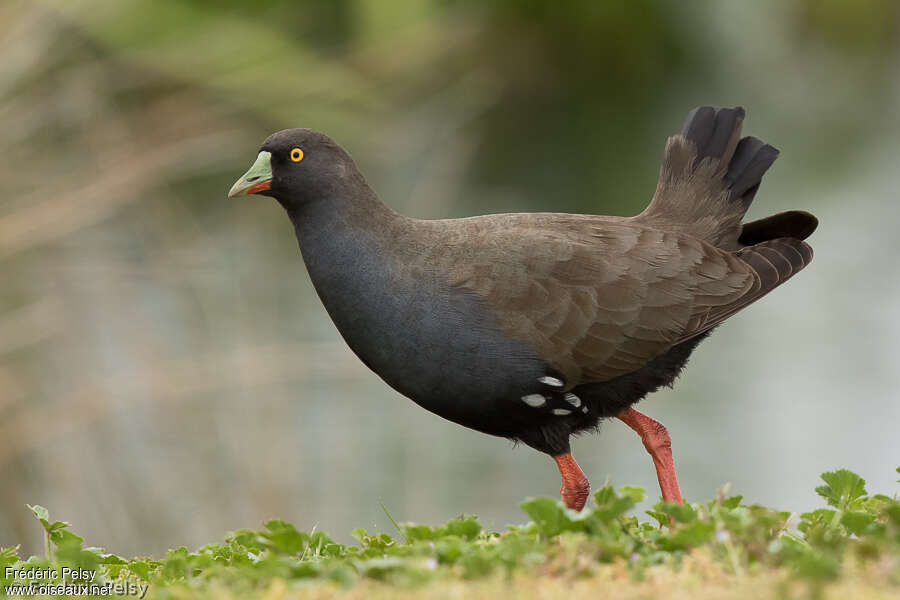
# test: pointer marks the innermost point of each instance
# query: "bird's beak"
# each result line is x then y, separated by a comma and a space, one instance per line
257, 179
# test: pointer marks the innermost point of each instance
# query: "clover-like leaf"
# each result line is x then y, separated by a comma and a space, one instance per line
843, 487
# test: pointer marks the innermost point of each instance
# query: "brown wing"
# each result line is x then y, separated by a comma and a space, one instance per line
772, 263
599, 297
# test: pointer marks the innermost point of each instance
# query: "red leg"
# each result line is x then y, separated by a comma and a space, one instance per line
658, 443
575, 486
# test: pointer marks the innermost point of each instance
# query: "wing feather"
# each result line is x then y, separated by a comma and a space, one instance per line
599, 297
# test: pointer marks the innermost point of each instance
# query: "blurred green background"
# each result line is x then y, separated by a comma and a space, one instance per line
166, 371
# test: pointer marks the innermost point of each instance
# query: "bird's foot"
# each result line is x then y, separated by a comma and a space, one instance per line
575, 486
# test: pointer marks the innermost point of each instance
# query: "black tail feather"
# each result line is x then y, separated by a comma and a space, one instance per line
795, 224
713, 130
751, 160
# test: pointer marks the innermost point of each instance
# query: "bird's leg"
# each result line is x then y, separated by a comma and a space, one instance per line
575, 486
658, 443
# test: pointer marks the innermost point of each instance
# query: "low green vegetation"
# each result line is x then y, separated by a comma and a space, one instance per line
735, 550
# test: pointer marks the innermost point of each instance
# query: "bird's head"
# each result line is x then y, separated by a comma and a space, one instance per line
298, 166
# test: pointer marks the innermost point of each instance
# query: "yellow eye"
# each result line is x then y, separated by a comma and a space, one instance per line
296, 155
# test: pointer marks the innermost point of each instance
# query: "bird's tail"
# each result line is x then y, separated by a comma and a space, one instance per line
708, 179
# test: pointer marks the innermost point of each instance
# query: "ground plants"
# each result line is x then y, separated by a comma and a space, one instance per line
722, 544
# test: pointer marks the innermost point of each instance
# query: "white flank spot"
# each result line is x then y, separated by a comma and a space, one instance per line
562, 411
573, 400
534, 400
584, 409
552, 381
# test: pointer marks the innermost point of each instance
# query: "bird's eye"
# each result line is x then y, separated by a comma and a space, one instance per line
296, 155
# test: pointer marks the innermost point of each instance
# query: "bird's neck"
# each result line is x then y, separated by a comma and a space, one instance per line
351, 243
348, 218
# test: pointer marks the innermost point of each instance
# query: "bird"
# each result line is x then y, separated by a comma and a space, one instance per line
539, 326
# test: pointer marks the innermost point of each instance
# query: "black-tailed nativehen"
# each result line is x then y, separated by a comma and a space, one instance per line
536, 326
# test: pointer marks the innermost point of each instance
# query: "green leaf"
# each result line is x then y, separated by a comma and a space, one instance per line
610, 505
637, 494
548, 515
464, 526
857, 522
690, 536
57, 526
175, 564
821, 518
55, 530
64, 536
317, 542
9, 553
377, 543
605, 495
284, 538
112, 563
449, 550
732, 502
247, 538
70, 553
815, 565
112, 559
682, 513
358, 534
843, 487
417, 533
141, 568
8, 557
661, 517
41, 513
